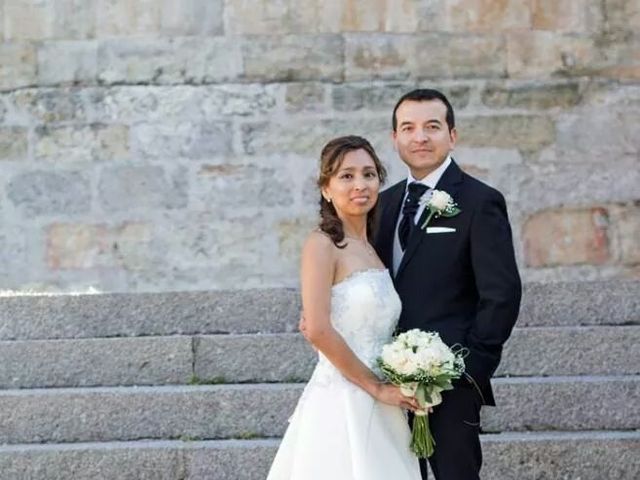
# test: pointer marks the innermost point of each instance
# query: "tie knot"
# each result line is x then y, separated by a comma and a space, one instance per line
416, 190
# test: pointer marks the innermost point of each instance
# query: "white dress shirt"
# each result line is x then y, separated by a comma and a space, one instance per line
430, 181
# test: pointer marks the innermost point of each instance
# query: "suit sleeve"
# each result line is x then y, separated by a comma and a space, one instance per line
498, 285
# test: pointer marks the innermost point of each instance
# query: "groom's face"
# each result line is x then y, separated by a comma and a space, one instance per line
422, 137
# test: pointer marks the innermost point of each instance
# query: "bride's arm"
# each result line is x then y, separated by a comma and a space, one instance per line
317, 273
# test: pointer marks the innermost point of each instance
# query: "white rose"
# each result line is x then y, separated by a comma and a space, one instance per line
429, 363
440, 200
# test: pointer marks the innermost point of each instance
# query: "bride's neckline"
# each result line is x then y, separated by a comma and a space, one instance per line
357, 273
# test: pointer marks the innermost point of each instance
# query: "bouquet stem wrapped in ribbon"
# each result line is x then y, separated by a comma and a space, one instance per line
423, 366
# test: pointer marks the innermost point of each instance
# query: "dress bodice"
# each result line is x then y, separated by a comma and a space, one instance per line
364, 310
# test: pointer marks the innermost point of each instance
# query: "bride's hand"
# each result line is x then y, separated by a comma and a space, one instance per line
391, 395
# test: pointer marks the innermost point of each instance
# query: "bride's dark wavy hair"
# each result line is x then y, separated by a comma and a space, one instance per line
330, 160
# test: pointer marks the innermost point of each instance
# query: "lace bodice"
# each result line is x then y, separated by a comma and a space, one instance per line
364, 310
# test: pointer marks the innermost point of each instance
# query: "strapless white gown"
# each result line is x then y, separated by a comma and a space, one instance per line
338, 431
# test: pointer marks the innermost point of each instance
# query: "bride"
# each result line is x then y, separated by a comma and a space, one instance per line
348, 424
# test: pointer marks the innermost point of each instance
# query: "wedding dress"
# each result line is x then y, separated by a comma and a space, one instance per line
338, 431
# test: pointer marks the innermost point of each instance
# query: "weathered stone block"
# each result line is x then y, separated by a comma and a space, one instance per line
167, 61
560, 183
566, 237
47, 105
369, 56
124, 188
625, 226
67, 62
41, 193
541, 53
81, 246
575, 16
525, 132
533, 96
258, 17
192, 17
622, 17
13, 143
576, 137
28, 19
309, 57
81, 143
136, 104
18, 65
75, 19
488, 15
229, 186
619, 58
3, 108
309, 136
122, 17
383, 97
291, 236
301, 97
13, 254
239, 99
351, 96
184, 140
438, 55
314, 16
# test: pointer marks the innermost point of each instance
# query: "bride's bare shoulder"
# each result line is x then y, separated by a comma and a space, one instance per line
318, 243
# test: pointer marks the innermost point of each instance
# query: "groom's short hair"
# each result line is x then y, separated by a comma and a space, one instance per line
423, 95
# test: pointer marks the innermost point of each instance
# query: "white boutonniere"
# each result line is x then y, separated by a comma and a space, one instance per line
440, 204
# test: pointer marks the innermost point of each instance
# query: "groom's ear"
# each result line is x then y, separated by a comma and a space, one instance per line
453, 136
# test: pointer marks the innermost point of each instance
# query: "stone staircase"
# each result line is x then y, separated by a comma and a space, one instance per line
200, 385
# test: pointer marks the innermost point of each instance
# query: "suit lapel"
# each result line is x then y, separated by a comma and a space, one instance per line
449, 182
388, 220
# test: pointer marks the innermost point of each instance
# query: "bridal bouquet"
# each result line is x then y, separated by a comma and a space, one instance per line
422, 365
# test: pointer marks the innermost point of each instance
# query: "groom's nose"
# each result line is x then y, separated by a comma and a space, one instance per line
420, 135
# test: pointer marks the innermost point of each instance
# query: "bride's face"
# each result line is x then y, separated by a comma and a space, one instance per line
353, 188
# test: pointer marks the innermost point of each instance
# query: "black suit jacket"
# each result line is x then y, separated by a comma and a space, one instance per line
465, 284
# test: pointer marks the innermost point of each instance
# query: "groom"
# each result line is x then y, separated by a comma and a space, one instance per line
457, 277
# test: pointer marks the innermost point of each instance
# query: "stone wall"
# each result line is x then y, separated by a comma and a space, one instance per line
164, 145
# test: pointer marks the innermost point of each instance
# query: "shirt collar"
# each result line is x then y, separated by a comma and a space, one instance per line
433, 178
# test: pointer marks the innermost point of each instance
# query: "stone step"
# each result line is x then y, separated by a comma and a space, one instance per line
262, 410
272, 311
512, 456
96, 362
235, 358
532, 351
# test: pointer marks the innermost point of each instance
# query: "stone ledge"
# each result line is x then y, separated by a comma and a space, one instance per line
506, 456
262, 410
272, 311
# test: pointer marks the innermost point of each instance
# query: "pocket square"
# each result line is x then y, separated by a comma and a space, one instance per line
440, 230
